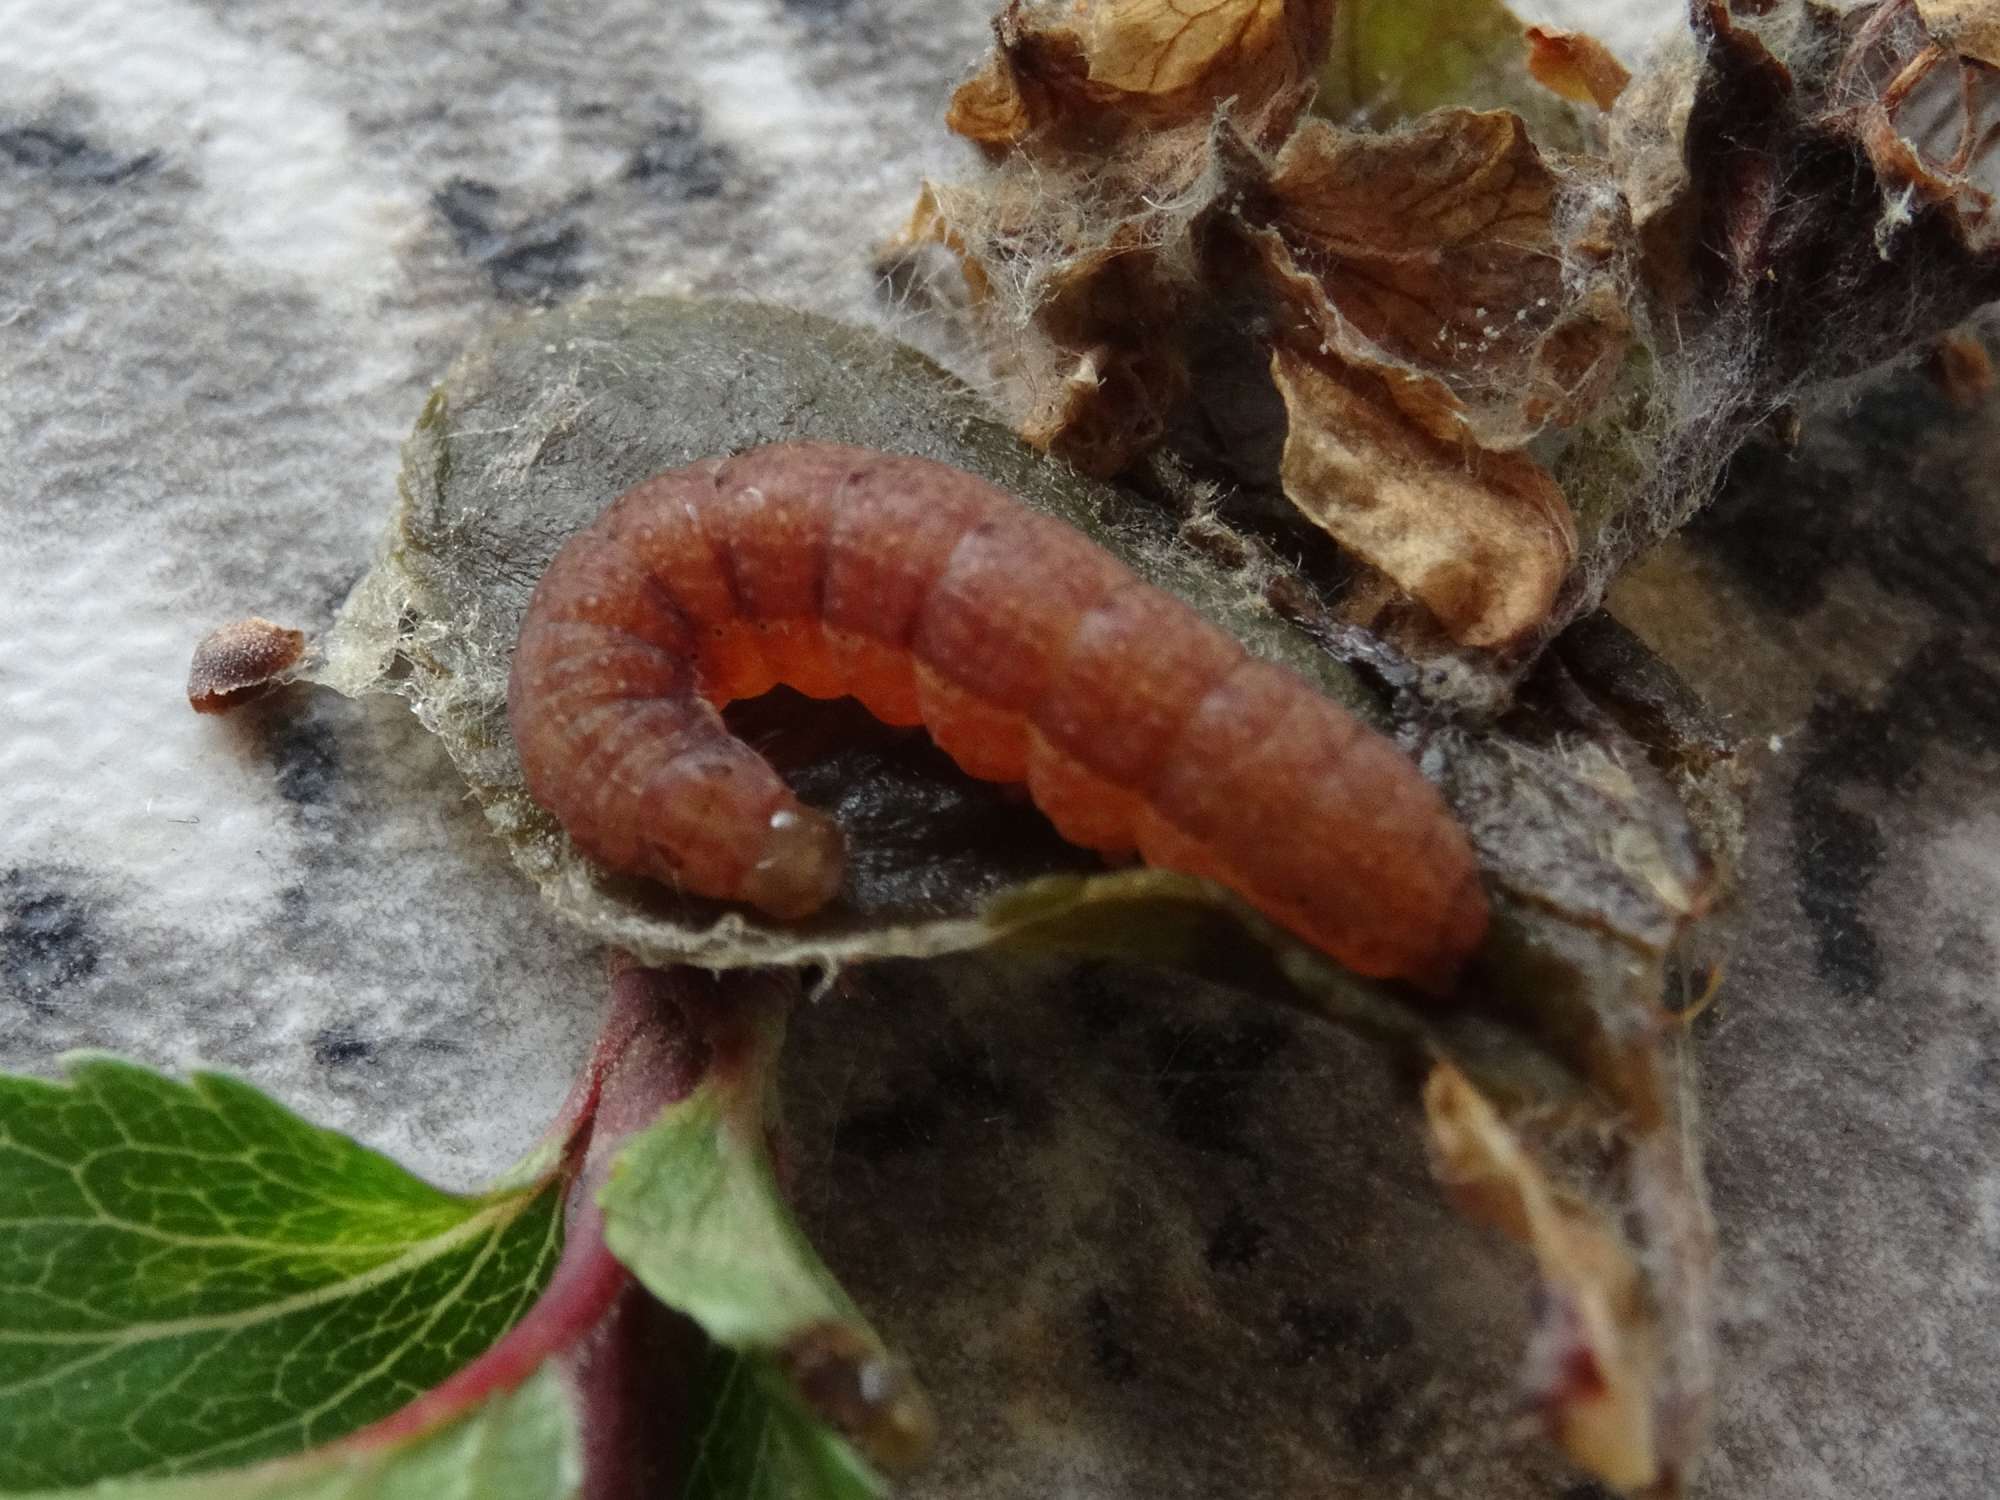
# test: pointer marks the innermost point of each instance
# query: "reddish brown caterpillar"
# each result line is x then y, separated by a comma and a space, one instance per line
1029, 653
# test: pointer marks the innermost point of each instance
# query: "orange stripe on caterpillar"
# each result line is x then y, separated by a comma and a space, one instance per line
1029, 653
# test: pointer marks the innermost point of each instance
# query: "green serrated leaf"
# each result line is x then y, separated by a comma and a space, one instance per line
756, 1443
192, 1278
693, 1208
521, 1445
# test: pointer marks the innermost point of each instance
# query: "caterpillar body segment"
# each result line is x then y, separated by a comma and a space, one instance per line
1029, 654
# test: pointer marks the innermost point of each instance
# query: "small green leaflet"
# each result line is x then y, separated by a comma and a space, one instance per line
693, 1207
518, 1446
757, 1443
193, 1278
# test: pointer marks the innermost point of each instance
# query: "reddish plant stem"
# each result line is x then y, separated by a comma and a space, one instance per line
628, 1359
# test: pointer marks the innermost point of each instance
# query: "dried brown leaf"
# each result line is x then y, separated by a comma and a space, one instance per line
1648, 128
1970, 27
1482, 539
1077, 76
932, 222
1929, 127
1161, 47
1439, 254
1467, 281
1576, 66
1760, 161
1962, 368
988, 108
1110, 316
1593, 1367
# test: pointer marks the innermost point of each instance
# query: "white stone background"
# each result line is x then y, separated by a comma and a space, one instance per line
221, 306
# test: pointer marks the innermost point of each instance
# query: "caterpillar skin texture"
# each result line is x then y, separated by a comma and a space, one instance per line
1029, 653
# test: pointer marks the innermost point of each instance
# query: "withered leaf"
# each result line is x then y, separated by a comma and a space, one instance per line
1576, 65
1930, 129
1080, 75
1166, 46
988, 109
1112, 400
1576, 813
1772, 154
1471, 279
932, 221
1593, 1366
1440, 249
1482, 539
1962, 368
1647, 128
1969, 27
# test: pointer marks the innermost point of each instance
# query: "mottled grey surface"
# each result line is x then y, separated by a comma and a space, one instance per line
1841, 605
1139, 1246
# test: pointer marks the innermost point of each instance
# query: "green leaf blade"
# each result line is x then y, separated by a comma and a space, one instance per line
694, 1208
191, 1277
801, 1399
519, 1445
756, 1444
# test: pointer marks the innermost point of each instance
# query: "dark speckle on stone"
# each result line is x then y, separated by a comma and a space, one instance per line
46, 937
1791, 564
339, 1046
306, 759
1945, 694
533, 258
1207, 1076
68, 157
678, 159
1114, 1359
1367, 1420
1789, 526
1794, 529
1236, 1242
1588, 1489
1941, 696
1839, 854
1370, 1332
893, 1129
295, 904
